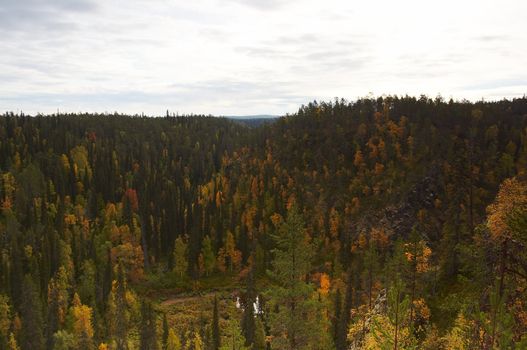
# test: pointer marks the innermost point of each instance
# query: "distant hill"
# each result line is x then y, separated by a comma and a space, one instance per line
254, 116
254, 120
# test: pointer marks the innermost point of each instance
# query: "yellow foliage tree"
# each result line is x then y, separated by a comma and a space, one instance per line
82, 323
12, 344
325, 284
511, 196
173, 342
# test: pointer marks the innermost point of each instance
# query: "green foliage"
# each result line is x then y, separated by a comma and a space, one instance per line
260, 342
82, 194
233, 340
180, 257
119, 315
293, 308
209, 259
32, 332
64, 340
497, 323
88, 282
5, 319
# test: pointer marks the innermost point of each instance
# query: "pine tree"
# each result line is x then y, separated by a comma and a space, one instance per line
337, 320
248, 324
209, 259
148, 327
394, 331
107, 279
57, 304
499, 327
234, 339
342, 326
260, 342
293, 302
120, 317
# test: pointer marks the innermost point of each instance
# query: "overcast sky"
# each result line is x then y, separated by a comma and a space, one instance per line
239, 57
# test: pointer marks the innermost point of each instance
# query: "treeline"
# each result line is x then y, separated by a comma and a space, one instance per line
384, 223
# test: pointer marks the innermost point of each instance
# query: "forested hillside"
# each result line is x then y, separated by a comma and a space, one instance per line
389, 223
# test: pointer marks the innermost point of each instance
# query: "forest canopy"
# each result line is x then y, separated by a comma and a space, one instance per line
382, 223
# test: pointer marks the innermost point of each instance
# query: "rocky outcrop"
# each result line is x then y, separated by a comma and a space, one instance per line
399, 219
379, 308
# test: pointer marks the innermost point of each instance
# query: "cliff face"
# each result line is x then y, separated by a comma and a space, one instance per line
400, 218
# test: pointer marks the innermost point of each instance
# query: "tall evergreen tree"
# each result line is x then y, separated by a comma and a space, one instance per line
148, 332
293, 302
342, 326
32, 332
121, 319
337, 321
209, 259
248, 318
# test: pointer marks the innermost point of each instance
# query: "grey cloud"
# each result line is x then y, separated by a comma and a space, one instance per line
214, 33
280, 93
303, 39
418, 67
348, 64
498, 83
265, 51
32, 15
138, 42
265, 5
9, 77
491, 38
226, 87
308, 53
323, 55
